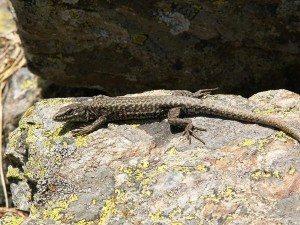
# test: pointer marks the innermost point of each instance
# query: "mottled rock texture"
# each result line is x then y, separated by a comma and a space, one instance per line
130, 46
145, 174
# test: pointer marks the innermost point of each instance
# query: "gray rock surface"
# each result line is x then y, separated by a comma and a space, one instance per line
125, 47
145, 174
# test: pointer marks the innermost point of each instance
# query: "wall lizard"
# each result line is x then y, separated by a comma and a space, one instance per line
180, 104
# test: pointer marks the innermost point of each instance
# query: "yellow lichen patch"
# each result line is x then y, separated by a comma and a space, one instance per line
162, 168
84, 222
247, 142
201, 168
29, 111
139, 174
29, 84
81, 141
139, 39
292, 171
110, 207
282, 134
176, 223
54, 135
144, 164
54, 102
54, 209
12, 220
184, 169
128, 170
172, 151
156, 216
276, 174
261, 144
14, 138
231, 217
146, 192
190, 217
31, 136
213, 198
260, 174
264, 112
14, 173
135, 125
175, 212
228, 194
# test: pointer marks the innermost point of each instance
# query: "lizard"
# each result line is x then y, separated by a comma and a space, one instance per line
181, 103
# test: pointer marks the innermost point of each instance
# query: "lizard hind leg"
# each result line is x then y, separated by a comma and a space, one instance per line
189, 128
203, 92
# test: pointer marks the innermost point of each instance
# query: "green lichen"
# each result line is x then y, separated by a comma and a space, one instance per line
247, 142
265, 112
292, 171
172, 151
54, 209
157, 216
29, 111
12, 220
110, 207
223, 196
175, 212
29, 84
81, 141
283, 135
14, 138
190, 169
14, 173
259, 174
84, 222
54, 102
139, 39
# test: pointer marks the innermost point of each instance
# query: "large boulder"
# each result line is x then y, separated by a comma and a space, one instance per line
145, 174
125, 47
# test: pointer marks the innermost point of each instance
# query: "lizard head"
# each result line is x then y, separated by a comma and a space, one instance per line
76, 112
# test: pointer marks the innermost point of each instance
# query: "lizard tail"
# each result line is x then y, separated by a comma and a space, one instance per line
246, 116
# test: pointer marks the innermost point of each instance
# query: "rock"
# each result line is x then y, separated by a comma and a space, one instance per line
143, 173
22, 91
126, 47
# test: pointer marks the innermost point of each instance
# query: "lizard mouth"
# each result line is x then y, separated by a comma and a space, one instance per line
59, 118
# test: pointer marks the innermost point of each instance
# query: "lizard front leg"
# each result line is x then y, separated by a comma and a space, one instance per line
90, 128
174, 120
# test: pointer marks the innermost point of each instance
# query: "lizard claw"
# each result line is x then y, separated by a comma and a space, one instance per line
188, 131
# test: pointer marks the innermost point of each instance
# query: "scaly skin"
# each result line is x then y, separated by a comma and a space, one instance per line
183, 103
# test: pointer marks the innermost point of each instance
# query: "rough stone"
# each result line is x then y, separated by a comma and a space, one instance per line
126, 47
144, 174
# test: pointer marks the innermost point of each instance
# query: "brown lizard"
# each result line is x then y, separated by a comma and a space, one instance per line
181, 104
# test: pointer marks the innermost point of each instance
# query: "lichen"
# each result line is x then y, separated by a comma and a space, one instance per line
54, 209
12, 220
14, 173
29, 84
247, 142
292, 171
110, 207
81, 141
139, 39
172, 151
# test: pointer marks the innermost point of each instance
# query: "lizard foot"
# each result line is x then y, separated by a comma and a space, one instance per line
81, 131
189, 132
203, 92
